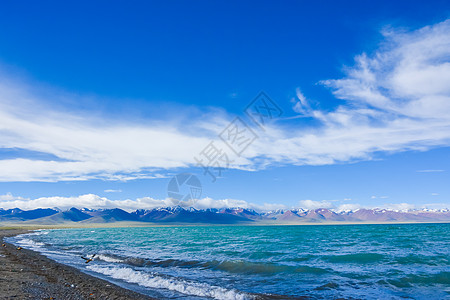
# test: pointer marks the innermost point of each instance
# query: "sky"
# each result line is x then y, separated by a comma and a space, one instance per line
266, 104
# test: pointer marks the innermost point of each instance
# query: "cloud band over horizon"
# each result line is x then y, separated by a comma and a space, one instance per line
92, 201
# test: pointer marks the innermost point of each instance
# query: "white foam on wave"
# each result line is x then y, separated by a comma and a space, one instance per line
109, 258
24, 242
38, 232
42, 231
173, 284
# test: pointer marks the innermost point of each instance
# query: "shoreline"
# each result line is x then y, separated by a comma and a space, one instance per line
26, 274
29, 274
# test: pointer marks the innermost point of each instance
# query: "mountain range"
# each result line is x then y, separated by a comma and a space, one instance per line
180, 215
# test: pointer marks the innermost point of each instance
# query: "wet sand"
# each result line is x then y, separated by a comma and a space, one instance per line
26, 274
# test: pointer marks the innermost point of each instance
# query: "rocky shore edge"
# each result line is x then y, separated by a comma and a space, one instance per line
25, 274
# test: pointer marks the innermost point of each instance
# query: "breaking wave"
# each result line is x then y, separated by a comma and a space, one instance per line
109, 258
152, 280
27, 243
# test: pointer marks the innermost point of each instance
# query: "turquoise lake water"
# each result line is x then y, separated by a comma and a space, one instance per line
406, 261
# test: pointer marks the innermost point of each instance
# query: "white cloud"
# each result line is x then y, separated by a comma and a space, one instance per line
301, 105
380, 113
399, 206
379, 197
231, 203
310, 204
436, 205
348, 207
430, 171
113, 191
86, 147
389, 206
84, 201
93, 201
395, 99
9, 197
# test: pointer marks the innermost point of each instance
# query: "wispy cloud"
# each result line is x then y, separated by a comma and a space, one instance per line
381, 197
301, 105
113, 191
395, 99
430, 171
86, 147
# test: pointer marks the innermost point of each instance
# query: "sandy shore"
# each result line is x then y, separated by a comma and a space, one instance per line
26, 274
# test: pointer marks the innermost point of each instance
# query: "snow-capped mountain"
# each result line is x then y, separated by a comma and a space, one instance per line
237, 215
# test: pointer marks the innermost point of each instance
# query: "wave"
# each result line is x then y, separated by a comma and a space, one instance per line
422, 259
36, 233
25, 242
152, 280
410, 280
245, 267
109, 258
355, 258
230, 266
41, 232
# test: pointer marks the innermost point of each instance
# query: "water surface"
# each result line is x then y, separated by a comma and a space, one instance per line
407, 261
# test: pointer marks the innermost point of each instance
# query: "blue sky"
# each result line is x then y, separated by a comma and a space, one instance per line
110, 100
